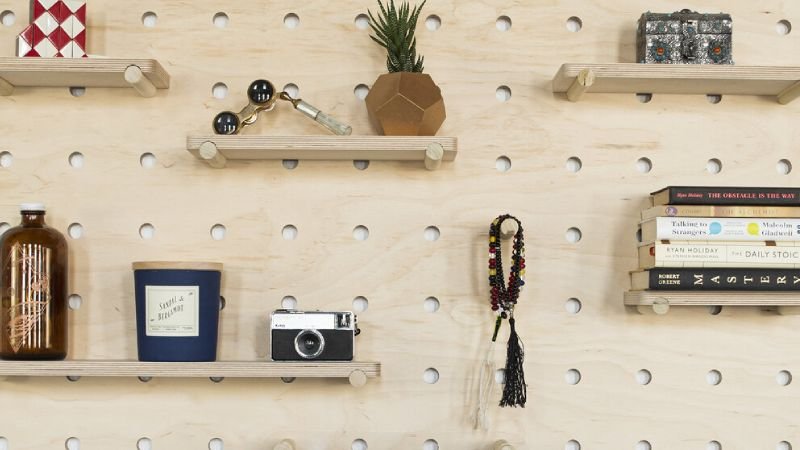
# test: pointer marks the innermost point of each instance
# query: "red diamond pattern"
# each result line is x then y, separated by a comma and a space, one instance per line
57, 29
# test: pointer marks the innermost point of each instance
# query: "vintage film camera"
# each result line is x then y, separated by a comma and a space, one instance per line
684, 37
313, 335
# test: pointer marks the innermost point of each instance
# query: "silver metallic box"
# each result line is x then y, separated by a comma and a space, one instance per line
684, 37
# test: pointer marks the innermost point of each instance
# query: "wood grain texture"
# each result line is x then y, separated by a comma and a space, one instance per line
227, 369
326, 148
732, 298
85, 72
631, 78
397, 268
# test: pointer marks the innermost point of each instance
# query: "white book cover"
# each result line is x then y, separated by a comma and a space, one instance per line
726, 229
694, 255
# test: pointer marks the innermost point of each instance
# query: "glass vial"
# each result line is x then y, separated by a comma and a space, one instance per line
33, 289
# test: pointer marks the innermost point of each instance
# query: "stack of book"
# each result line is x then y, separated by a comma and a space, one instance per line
700, 239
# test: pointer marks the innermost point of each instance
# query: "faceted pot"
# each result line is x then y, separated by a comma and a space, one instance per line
406, 104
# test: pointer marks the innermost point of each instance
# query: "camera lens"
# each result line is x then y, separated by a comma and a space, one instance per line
226, 123
261, 91
309, 344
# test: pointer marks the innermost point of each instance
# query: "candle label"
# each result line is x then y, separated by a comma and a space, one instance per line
172, 311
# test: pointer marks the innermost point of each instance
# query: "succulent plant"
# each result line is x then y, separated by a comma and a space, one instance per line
394, 31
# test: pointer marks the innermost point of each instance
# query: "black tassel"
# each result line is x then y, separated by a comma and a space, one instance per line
515, 391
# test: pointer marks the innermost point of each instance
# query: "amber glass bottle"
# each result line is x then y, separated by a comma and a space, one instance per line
33, 289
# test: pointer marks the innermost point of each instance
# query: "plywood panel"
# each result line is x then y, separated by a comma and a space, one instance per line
396, 268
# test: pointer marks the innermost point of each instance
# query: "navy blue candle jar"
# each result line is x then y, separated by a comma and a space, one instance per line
177, 310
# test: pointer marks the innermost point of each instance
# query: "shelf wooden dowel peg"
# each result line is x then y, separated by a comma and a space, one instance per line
209, 152
582, 83
285, 444
508, 229
433, 156
789, 94
358, 378
138, 81
6, 88
502, 445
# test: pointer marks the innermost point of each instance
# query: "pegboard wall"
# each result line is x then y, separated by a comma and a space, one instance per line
406, 245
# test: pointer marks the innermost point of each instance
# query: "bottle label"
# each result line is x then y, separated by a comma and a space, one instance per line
172, 311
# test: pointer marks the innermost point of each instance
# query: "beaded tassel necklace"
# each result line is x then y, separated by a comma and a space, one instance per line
503, 300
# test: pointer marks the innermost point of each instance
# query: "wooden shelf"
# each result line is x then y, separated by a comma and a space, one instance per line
661, 301
216, 150
356, 372
630, 78
144, 75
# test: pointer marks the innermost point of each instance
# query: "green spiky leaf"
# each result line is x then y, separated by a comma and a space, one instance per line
394, 30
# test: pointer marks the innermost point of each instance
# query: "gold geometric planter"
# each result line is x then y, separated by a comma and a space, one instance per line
406, 104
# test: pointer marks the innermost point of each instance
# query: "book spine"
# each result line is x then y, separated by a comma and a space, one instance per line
724, 279
709, 229
730, 255
733, 196
720, 211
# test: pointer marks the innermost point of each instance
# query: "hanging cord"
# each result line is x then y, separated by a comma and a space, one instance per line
515, 389
486, 381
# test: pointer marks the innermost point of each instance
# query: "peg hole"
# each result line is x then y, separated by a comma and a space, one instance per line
574, 24
572, 377
574, 235
148, 160
433, 22
291, 21
361, 164
4, 226
714, 377
574, 164
8, 18
432, 234
500, 376
216, 380
714, 310
218, 232
573, 306
3, 443
783, 445
784, 378
503, 23
72, 443
713, 445
292, 90
431, 304
644, 377
783, 27
784, 167
220, 20
76, 160
359, 444
643, 445
361, 91
219, 90
714, 98
216, 444
222, 303
360, 304
144, 444
6, 159
77, 91
73, 378
503, 164
289, 302
147, 231
361, 233
362, 21
289, 232
74, 301
644, 97
644, 165
431, 376
290, 164
503, 93
149, 19
75, 231
143, 379
430, 444
714, 166
573, 445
